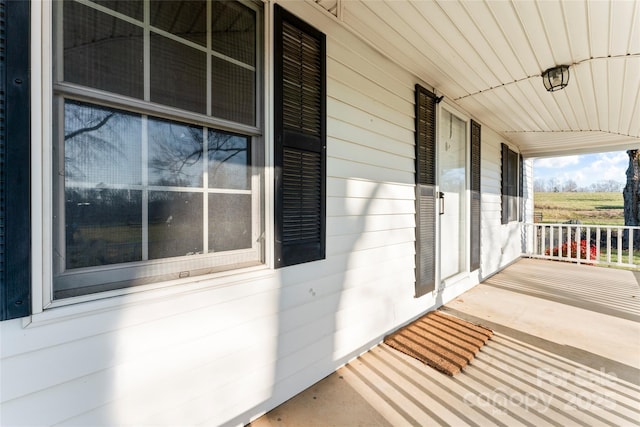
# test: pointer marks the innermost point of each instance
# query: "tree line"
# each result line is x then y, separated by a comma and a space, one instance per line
568, 185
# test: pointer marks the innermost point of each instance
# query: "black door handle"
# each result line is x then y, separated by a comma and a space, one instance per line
441, 197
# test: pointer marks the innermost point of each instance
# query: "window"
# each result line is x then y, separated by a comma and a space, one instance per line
300, 151
510, 185
157, 141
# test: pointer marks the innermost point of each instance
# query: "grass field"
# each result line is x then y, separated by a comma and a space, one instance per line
590, 208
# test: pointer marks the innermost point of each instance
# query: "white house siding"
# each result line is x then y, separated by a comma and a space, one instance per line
222, 350
500, 243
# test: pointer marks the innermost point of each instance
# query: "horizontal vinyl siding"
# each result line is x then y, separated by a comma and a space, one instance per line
142, 357
500, 243
232, 347
240, 345
370, 204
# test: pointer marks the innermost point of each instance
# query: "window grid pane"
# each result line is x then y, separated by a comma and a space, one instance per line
109, 184
104, 51
178, 75
138, 188
102, 227
186, 19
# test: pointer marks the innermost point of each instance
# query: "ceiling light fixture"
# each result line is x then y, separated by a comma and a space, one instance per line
556, 78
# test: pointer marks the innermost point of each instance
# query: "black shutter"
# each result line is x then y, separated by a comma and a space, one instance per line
509, 184
15, 217
504, 182
425, 191
475, 195
300, 146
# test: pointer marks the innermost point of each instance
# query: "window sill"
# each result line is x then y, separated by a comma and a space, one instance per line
87, 305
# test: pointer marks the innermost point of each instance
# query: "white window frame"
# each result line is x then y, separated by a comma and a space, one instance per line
42, 90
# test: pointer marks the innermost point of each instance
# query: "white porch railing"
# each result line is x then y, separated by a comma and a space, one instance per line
584, 244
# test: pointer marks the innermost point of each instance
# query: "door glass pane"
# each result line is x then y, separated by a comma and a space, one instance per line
452, 174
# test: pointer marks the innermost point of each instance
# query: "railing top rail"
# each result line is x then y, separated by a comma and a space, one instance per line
560, 224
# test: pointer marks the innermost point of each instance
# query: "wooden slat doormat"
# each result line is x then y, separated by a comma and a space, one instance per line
443, 342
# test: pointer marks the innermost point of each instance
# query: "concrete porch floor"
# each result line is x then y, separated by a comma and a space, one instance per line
566, 351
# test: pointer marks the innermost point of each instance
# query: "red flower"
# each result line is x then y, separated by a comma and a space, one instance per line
572, 250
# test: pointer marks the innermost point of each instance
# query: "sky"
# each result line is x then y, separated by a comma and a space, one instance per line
584, 169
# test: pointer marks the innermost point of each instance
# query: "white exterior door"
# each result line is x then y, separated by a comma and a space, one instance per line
452, 203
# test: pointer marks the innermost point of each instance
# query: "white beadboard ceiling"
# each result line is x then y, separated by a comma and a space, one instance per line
487, 57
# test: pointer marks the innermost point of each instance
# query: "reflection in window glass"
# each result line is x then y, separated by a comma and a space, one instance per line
232, 92
132, 8
102, 51
452, 153
228, 161
175, 224
229, 222
234, 31
178, 75
186, 19
175, 154
101, 145
148, 183
102, 154
105, 52
103, 226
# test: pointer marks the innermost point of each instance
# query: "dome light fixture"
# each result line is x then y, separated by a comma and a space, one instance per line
556, 78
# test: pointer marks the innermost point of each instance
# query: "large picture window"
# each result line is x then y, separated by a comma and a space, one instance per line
157, 135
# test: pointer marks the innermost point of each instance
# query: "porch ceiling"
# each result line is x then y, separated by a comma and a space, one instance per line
487, 57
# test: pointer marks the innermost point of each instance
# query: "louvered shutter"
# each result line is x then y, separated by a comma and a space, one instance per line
475, 195
510, 189
425, 191
300, 149
15, 237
